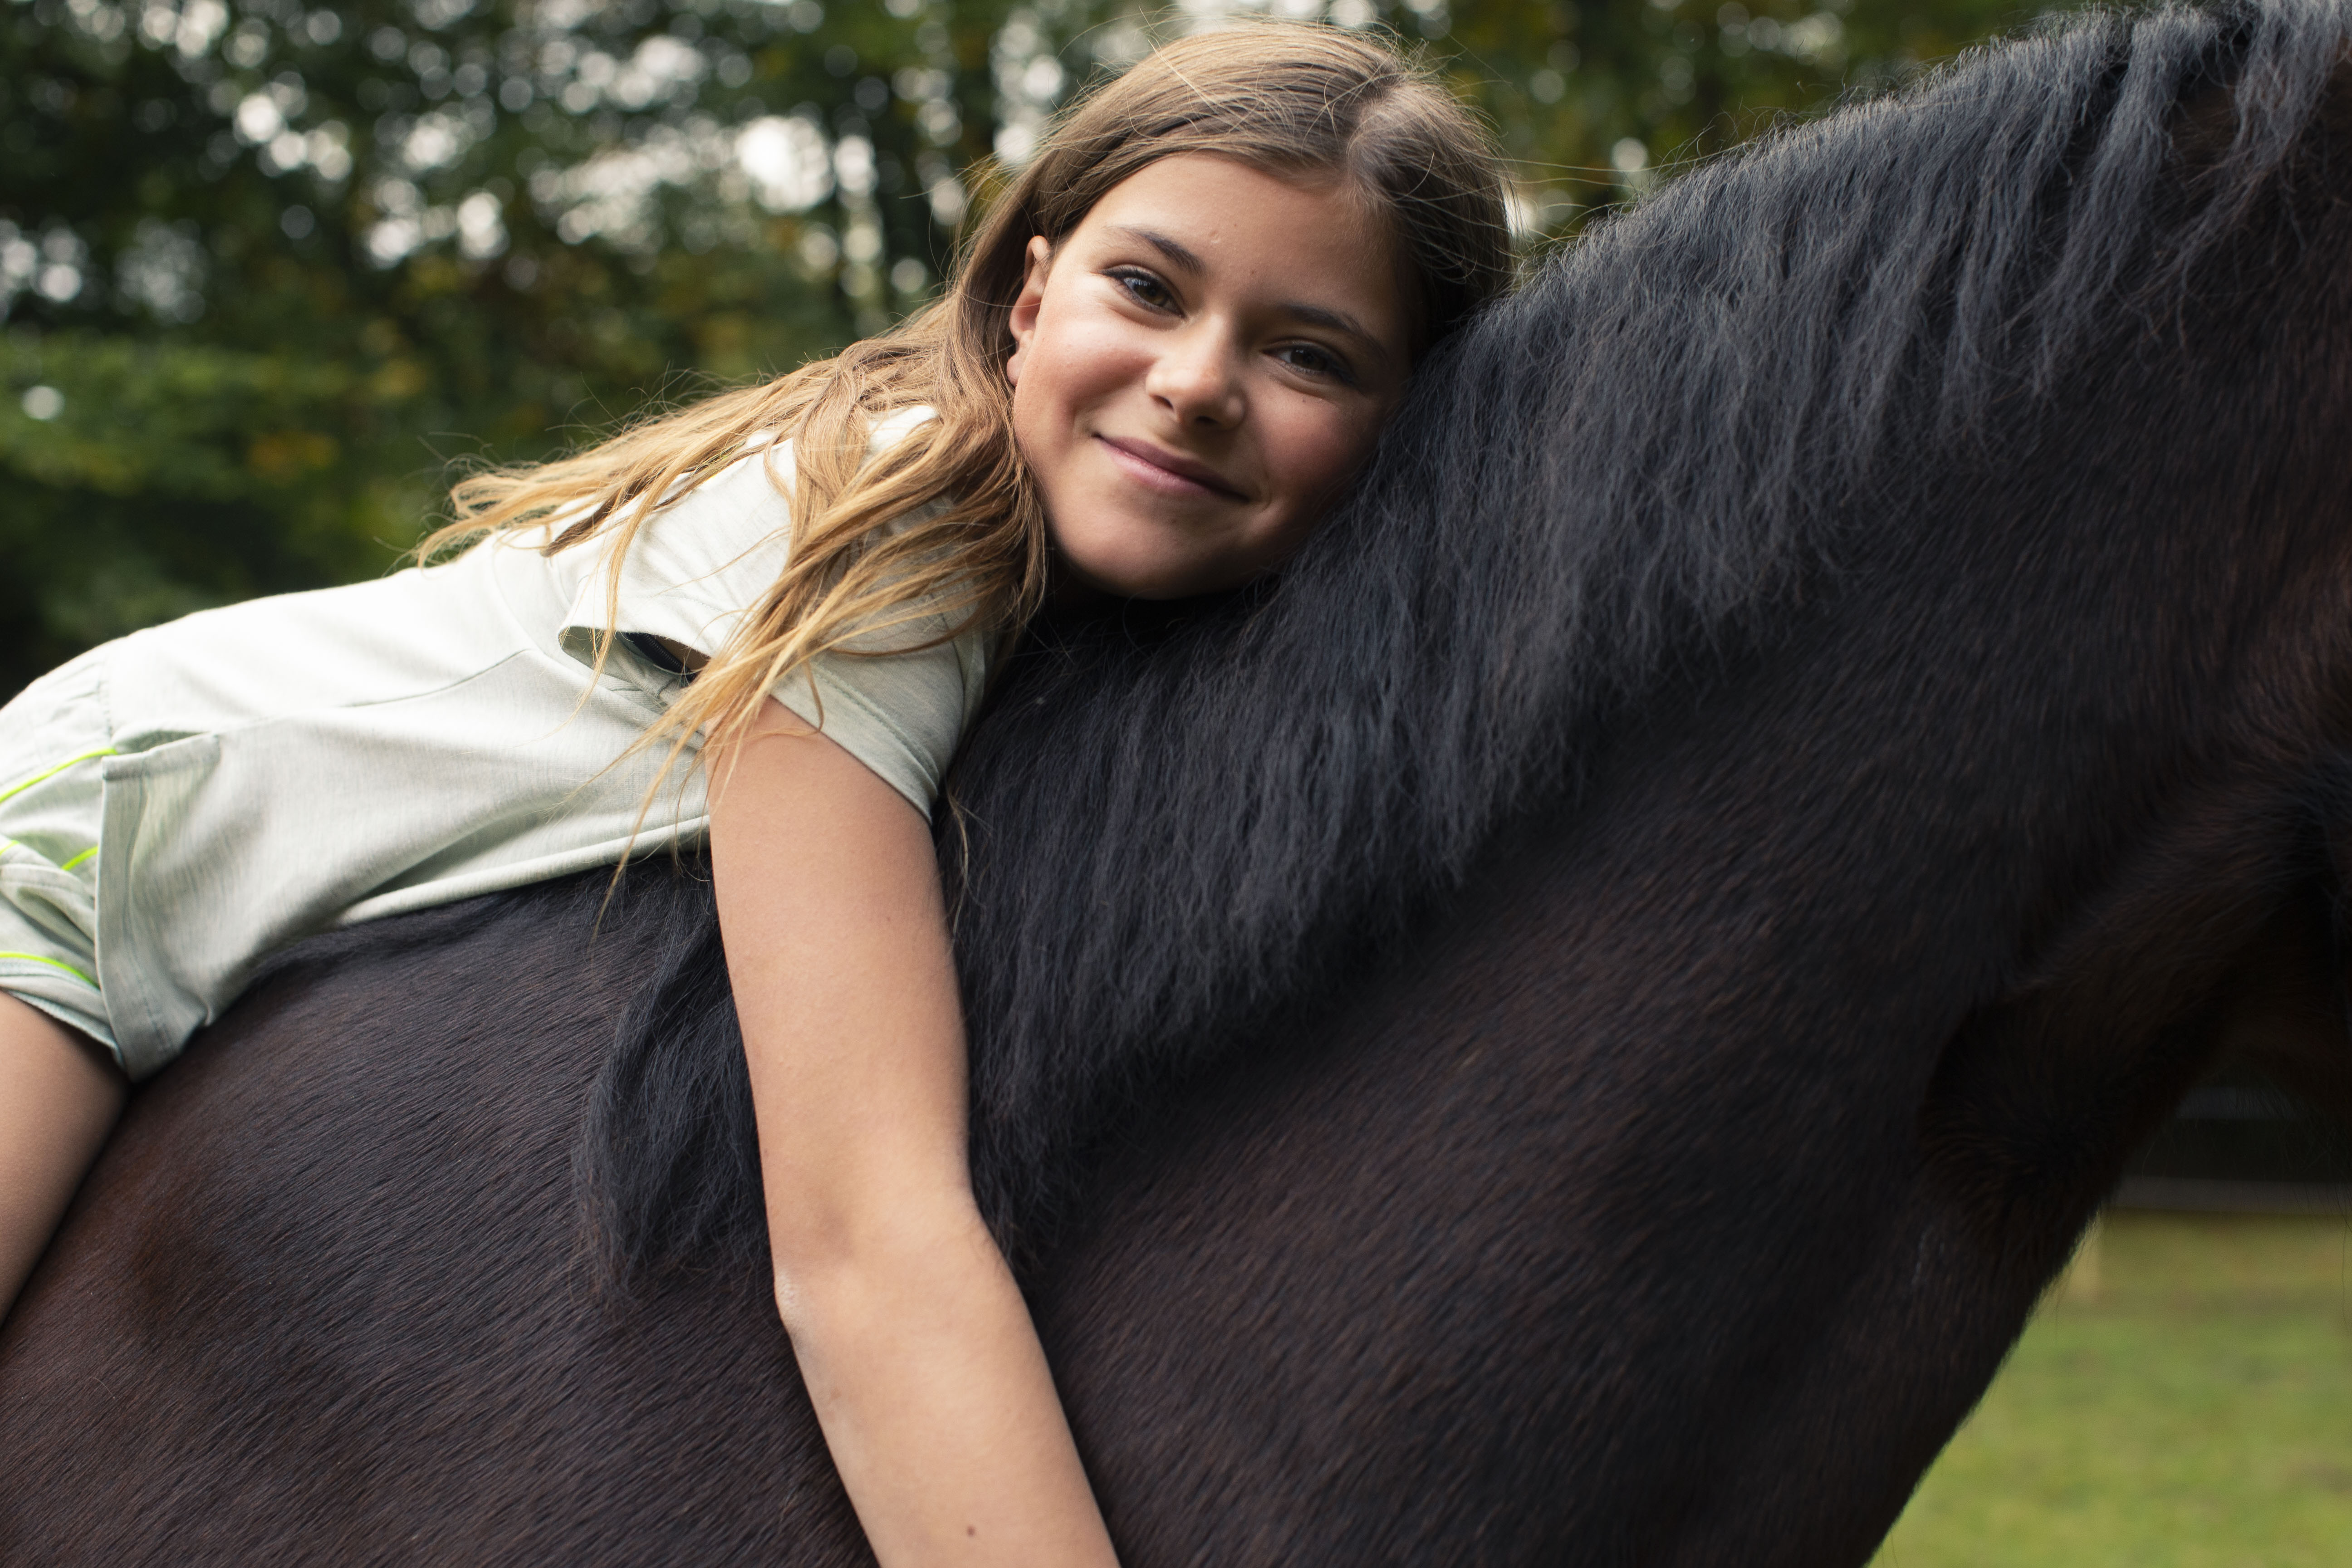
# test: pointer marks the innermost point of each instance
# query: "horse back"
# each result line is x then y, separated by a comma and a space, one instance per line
325, 1296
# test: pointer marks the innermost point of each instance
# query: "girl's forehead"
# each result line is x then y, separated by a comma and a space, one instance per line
1208, 183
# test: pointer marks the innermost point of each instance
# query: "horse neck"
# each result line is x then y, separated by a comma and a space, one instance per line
2001, 826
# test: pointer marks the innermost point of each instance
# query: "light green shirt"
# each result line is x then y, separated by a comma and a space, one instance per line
275, 768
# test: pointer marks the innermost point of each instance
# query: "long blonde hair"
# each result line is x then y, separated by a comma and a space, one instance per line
1297, 99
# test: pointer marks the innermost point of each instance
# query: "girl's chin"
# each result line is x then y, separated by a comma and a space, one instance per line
1115, 568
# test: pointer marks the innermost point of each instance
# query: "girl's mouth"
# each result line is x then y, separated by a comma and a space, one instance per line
1165, 471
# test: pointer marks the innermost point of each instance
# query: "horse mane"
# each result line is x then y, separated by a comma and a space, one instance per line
1174, 828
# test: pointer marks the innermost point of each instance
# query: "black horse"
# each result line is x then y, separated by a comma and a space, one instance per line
1574, 1028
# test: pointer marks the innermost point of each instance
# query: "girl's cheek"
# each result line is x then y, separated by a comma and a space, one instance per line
1323, 449
1100, 345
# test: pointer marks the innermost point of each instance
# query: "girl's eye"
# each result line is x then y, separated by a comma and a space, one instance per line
1315, 361
1146, 290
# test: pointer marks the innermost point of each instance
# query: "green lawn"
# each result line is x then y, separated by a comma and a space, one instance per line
2184, 1400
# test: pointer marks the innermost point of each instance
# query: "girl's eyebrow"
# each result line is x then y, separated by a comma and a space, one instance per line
1177, 255
1334, 321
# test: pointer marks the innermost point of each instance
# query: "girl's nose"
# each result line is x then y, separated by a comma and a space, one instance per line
1197, 378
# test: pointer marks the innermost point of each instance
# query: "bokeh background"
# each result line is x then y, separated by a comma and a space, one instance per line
269, 270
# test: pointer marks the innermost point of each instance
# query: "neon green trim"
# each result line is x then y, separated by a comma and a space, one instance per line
8, 844
53, 963
14, 790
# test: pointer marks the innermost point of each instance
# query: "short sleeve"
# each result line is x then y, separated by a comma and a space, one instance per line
901, 714
701, 563
696, 566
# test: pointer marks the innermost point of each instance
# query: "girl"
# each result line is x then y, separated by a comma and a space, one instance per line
767, 620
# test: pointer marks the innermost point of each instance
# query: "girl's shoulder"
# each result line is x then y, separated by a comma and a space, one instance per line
702, 565
705, 557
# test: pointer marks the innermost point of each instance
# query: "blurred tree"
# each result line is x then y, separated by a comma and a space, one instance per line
265, 267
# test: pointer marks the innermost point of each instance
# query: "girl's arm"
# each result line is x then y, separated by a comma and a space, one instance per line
58, 1098
915, 1343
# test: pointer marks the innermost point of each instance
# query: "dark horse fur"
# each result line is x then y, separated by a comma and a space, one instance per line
1571, 1028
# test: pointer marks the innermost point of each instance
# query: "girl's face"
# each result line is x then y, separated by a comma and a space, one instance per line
1199, 368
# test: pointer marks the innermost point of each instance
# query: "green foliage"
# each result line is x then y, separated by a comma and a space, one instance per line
266, 268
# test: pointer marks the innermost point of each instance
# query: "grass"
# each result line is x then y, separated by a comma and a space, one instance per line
2184, 1400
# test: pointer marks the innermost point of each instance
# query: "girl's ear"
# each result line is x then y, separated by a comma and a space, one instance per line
1024, 308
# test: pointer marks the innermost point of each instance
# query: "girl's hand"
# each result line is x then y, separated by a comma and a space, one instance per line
913, 1338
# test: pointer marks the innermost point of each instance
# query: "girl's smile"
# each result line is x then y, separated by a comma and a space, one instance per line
1168, 472
1200, 367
